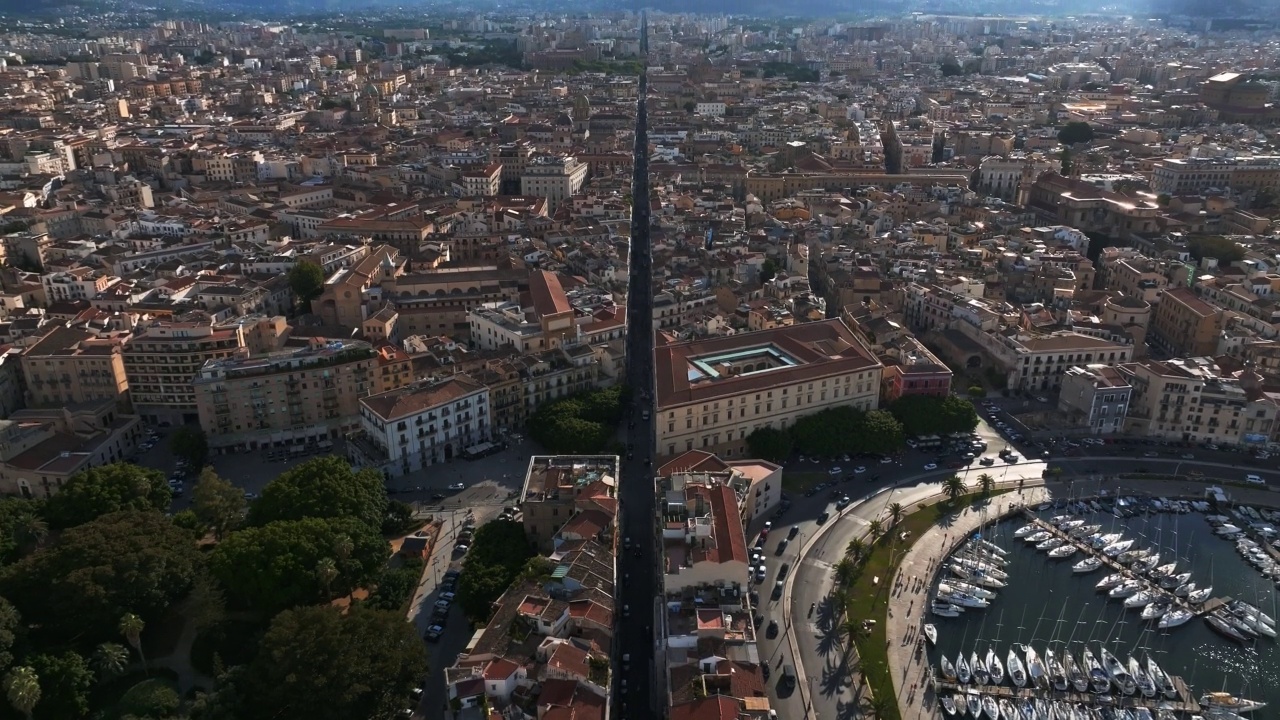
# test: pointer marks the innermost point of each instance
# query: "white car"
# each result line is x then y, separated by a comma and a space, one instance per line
760, 573
931, 466
886, 460
835, 471
859, 470
457, 486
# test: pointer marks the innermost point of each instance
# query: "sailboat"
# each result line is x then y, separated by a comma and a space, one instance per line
1161, 679
1125, 589
949, 704
1017, 673
973, 702
1057, 673
1109, 581
1226, 701
1175, 617
1035, 667
1156, 609
931, 632
1007, 710
1170, 582
1026, 530
945, 609
962, 669
1146, 685
1098, 678
1087, 565
1063, 551
994, 667
1119, 675
948, 670
1200, 595
1079, 679
990, 707
1225, 628
979, 669
1084, 531
1142, 598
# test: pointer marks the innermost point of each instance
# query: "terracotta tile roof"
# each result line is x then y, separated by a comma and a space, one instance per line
414, 399
547, 294
500, 669
718, 707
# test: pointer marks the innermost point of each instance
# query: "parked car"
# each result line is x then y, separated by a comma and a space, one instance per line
434, 633
931, 466
457, 486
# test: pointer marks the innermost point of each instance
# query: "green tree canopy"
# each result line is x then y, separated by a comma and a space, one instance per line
22, 527
932, 415
827, 433
65, 681
768, 270
11, 630
323, 487
272, 567
217, 504
107, 489
306, 279
498, 554
1075, 132
881, 433
317, 663
190, 444
581, 424
126, 562
770, 444
151, 698
951, 68
1223, 249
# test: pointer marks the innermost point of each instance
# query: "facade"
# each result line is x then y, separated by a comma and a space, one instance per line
1185, 325
554, 177
713, 393
284, 398
162, 359
420, 425
70, 366
546, 322
1096, 397
1191, 400
41, 449
1182, 176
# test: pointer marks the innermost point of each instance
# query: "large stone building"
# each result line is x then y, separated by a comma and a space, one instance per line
420, 425
713, 393
161, 360
70, 366
286, 398
1185, 325
1192, 400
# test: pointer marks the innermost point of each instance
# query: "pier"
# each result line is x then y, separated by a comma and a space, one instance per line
1186, 702
1204, 608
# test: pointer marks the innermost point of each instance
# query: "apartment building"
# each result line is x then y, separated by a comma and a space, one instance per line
284, 398
1095, 397
1038, 361
703, 544
756, 483
713, 393
1186, 326
1194, 175
482, 181
162, 359
420, 425
554, 177
558, 488
70, 366
41, 449
1191, 399
546, 322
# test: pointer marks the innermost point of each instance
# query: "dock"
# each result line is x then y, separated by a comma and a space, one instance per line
1186, 703
1204, 608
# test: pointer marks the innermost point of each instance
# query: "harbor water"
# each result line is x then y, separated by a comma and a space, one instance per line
1047, 605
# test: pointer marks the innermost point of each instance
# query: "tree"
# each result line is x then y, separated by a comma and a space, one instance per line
895, 514
690, 106
882, 707
126, 562
931, 415
770, 444
22, 529
1075, 132
875, 529
272, 567
22, 686
768, 270
846, 572
218, 504
849, 629
497, 556
395, 587
986, 483
306, 279
131, 627
951, 68
318, 663
107, 489
324, 487
190, 444
1223, 249
953, 487
326, 573
110, 660
856, 550
65, 681
880, 433
11, 628
1065, 164
151, 698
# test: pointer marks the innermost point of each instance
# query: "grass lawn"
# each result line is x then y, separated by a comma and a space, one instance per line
870, 601
798, 483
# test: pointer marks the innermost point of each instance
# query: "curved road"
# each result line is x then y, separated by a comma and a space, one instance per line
826, 687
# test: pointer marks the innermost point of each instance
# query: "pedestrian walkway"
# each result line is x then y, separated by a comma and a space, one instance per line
909, 597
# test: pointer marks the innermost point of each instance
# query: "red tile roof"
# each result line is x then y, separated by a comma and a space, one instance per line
712, 708
547, 294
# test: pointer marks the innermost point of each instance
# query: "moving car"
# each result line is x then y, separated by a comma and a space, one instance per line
931, 466
457, 486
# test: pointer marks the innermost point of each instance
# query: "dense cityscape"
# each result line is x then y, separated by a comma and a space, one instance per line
562, 365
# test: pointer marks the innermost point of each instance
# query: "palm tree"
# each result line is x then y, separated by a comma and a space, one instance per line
110, 659
953, 487
849, 629
987, 483
895, 513
856, 550
22, 685
880, 707
30, 531
342, 548
131, 627
846, 571
876, 529
326, 573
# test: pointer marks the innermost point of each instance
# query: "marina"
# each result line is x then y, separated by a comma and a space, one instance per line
1096, 664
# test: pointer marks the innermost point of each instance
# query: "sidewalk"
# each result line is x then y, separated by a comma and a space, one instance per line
910, 591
